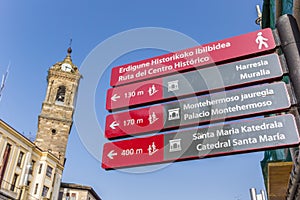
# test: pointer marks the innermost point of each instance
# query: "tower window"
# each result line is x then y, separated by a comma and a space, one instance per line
60, 96
53, 131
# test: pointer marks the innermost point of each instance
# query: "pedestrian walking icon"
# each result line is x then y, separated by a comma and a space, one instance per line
152, 90
261, 41
152, 149
152, 118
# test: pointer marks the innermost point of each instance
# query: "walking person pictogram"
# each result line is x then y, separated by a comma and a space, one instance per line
260, 40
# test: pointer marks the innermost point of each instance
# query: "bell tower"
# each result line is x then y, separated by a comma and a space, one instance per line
56, 118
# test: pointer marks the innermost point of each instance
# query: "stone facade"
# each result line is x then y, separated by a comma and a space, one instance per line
56, 118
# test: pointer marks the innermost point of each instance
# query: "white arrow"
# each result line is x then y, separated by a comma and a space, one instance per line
115, 97
113, 125
111, 154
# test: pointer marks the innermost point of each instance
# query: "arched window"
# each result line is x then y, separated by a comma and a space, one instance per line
60, 96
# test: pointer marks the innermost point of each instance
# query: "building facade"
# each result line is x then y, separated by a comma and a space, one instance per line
26, 172
71, 191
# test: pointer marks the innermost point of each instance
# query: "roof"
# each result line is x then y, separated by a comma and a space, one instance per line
16, 132
80, 187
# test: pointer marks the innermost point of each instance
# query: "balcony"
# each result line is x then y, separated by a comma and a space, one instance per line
276, 166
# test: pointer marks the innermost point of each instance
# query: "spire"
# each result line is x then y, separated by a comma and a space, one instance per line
69, 51
70, 48
66, 64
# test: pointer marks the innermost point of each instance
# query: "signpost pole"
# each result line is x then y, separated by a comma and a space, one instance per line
290, 43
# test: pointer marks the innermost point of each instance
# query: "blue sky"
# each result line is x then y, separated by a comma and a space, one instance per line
36, 34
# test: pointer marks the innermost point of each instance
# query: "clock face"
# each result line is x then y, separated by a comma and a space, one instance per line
66, 67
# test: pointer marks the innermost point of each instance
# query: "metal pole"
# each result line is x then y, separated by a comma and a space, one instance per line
289, 35
259, 16
290, 43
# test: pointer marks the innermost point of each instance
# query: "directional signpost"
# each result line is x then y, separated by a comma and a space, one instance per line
226, 139
256, 69
215, 52
229, 80
204, 109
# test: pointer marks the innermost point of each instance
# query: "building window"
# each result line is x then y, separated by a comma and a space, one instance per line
73, 196
31, 167
49, 171
28, 183
68, 196
60, 195
13, 183
45, 191
40, 168
4, 162
20, 158
36, 188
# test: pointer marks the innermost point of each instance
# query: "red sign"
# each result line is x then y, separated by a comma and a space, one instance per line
134, 94
134, 122
215, 140
194, 82
246, 44
203, 109
133, 152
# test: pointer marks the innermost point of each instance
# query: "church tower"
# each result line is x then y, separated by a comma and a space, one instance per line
56, 118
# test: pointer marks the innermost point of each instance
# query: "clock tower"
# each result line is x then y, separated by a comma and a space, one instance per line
56, 118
